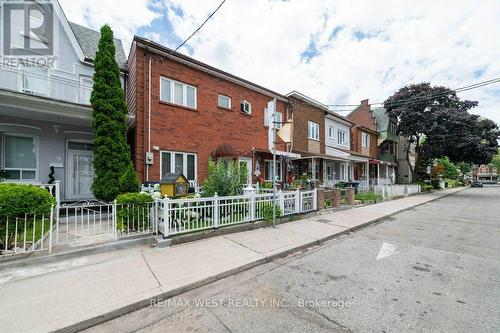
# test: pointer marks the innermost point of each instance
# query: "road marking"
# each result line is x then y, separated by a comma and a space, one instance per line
386, 250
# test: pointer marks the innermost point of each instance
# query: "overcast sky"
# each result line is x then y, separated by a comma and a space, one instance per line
338, 52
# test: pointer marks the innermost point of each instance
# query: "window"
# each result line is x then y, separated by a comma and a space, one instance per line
179, 93
331, 132
393, 127
86, 85
224, 102
35, 80
268, 165
172, 161
365, 140
313, 130
245, 107
20, 157
278, 119
341, 138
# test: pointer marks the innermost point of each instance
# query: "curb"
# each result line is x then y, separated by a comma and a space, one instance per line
88, 323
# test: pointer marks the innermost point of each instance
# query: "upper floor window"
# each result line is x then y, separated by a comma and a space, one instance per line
365, 140
86, 85
224, 101
278, 118
177, 93
35, 80
341, 138
20, 157
245, 107
331, 132
313, 130
393, 127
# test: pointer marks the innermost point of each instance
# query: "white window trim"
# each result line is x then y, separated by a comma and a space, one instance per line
270, 179
184, 93
365, 140
342, 143
184, 162
37, 146
331, 132
222, 106
245, 102
315, 133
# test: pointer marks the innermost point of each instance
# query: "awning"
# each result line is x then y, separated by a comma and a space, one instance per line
279, 153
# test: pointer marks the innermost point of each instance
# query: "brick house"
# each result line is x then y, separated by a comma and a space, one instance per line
187, 111
364, 139
485, 173
323, 139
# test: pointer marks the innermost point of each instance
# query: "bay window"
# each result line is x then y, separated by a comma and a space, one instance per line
172, 162
20, 157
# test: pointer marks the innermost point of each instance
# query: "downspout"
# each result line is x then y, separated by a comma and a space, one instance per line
149, 114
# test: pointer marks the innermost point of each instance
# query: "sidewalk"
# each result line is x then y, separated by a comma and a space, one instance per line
77, 293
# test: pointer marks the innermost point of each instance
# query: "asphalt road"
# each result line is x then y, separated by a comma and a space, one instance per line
433, 268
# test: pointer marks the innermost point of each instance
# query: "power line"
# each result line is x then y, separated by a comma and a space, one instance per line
423, 98
198, 29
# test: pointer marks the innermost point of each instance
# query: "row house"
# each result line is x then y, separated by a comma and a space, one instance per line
388, 147
485, 173
187, 112
45, 112
322, 138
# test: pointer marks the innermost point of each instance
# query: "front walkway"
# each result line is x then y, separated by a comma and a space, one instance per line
87, 290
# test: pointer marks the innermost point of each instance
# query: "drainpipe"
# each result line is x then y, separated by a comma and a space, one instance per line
149, 114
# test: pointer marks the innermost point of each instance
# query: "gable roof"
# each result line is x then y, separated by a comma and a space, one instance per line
171, 178
88, 40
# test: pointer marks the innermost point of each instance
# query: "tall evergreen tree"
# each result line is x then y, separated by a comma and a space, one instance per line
111, 150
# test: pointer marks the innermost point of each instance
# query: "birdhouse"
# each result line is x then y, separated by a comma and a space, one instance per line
174, 185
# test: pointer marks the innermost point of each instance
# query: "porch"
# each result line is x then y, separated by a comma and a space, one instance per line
44, 141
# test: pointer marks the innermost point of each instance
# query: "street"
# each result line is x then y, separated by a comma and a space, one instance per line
435, 267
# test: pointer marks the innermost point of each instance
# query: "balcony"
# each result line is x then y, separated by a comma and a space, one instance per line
387, 157
37, 81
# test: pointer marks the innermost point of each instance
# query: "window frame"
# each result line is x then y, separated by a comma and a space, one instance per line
314, 133
22, 87
343, 142
331, 132
278, 173
184, 162
365, 140
245, 102
184, 92
222, 106
37, 147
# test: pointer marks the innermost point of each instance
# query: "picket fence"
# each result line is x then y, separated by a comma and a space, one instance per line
391, 191
87, 223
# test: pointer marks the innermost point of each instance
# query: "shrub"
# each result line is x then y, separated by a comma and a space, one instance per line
129, 182
268, 212
132, 211
224, 178
16, 200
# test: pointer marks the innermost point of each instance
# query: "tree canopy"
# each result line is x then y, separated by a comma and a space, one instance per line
437, 121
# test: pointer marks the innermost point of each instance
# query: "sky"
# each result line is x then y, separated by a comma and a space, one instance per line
337, 52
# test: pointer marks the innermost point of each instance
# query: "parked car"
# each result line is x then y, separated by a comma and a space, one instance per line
476, 183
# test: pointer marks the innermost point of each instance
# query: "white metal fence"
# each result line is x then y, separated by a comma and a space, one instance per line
177, 216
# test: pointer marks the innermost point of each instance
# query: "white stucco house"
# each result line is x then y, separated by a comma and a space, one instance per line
45, 113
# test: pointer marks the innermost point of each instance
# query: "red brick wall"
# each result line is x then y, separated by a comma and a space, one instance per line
357, 142
302, 113
200, 131
363, 116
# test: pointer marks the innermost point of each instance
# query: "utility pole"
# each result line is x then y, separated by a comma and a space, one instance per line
273, 124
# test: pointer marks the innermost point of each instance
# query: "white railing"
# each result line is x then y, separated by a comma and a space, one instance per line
26, 234
54, 189
176, 216
392, 191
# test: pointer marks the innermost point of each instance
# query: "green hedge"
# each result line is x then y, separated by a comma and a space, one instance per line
16, 200
133, 211
368, 196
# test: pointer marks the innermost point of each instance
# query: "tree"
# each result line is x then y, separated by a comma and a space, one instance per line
111, 150
464, 167
449, 169
495, 161
438, 124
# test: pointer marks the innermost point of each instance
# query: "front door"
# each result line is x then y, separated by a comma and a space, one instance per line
80, 171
